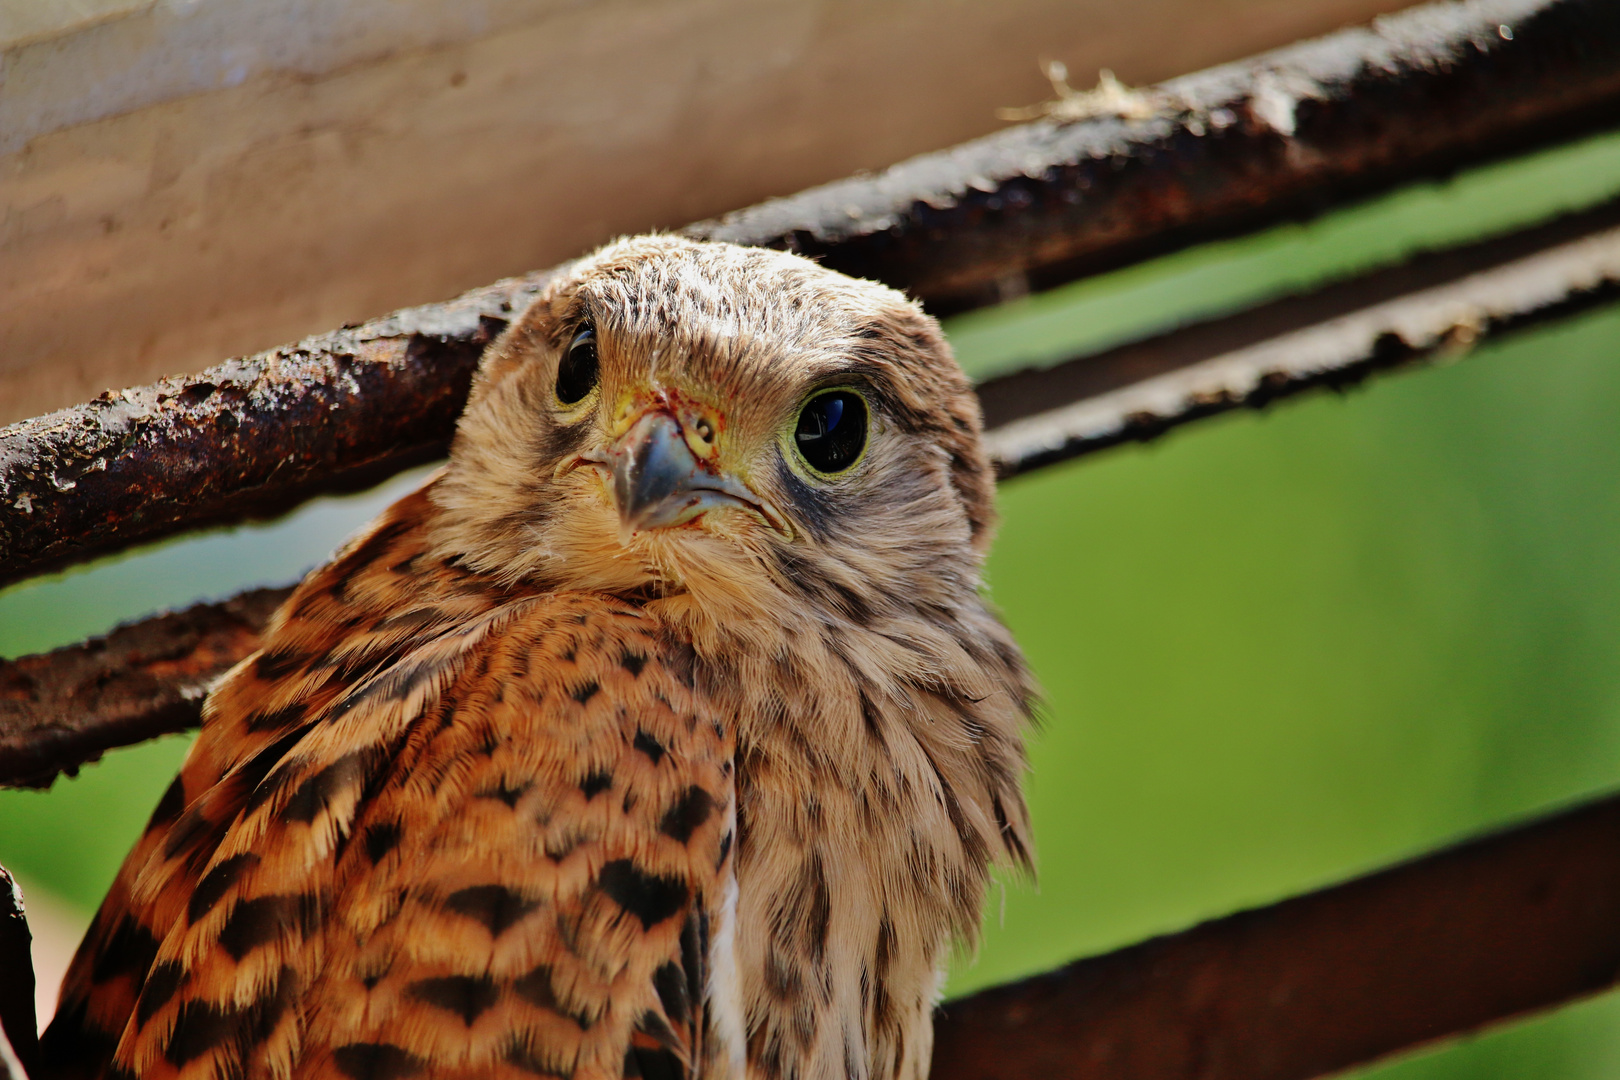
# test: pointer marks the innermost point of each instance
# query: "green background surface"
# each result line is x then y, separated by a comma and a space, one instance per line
1278, 649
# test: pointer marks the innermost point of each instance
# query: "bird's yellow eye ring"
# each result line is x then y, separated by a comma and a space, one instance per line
830, 434
579, 369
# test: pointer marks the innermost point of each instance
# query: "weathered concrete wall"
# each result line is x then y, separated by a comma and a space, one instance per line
190, 179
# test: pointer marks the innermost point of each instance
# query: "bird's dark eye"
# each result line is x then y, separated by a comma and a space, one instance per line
832, 430
576, 374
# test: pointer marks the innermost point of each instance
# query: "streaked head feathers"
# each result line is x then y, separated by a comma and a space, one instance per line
732, 343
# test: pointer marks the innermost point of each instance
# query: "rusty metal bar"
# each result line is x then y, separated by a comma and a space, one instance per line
1282, 134
1450, 942
1441, 303
246, 438
63, 709
19, 1039
1216, 153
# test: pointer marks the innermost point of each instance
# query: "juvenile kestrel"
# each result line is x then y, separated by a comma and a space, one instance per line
665, 733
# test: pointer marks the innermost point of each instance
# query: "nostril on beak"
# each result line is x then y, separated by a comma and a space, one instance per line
651, 466
659, 479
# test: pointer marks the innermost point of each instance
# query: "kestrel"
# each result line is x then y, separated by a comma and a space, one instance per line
664, 733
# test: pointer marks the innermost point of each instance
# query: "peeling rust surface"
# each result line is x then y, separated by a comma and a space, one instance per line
1519, 921
1282, 134
1220, 152
1437, 305
19, 1043
63, 709
250, 437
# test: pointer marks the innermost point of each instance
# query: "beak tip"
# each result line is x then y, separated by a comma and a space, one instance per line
652, 468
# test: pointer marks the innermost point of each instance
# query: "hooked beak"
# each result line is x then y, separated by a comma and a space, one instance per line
659, 483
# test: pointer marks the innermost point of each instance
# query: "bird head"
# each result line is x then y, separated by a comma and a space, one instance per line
736, 428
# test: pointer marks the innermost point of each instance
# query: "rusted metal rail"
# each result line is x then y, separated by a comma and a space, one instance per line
1280, 135
62, 709
1441, 303
1216, 153
1447, 943
247, 438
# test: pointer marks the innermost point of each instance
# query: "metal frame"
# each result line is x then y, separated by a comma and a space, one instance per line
1460, 938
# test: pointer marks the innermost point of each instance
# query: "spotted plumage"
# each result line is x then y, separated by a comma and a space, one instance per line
664, 733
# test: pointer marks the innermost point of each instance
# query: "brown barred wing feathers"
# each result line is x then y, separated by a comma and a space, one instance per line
491, 839
539, 882
257, 712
